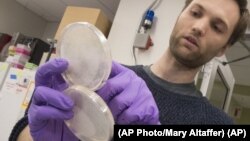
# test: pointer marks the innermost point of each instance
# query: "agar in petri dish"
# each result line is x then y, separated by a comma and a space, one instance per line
92, 119
85, 47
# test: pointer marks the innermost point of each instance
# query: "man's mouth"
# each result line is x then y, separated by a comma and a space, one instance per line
192, 40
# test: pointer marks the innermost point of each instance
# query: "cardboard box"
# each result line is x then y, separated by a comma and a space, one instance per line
82, 14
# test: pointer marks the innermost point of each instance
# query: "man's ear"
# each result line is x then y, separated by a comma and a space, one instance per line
222, 51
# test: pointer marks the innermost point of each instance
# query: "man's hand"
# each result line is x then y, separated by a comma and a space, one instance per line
129, 98
50, 107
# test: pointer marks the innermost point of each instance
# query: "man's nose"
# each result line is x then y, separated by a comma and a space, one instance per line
200, 27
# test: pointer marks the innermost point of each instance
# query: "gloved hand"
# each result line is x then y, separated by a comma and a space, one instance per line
129, 98
50, 107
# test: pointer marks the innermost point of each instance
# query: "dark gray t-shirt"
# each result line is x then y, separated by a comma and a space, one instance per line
185, 88
180, 103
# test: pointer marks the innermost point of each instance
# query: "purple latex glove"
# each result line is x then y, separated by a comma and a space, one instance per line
129, 98
50, 107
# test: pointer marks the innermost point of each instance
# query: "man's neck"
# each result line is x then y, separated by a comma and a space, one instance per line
169, 69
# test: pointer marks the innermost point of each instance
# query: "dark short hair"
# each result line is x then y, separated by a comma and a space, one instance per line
242, 24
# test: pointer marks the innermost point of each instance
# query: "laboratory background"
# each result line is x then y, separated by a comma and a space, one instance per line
29, 30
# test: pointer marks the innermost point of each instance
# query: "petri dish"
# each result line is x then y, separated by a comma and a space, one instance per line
85, 47
92, 119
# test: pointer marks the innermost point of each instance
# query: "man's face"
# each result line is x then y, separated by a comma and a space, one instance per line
203, 30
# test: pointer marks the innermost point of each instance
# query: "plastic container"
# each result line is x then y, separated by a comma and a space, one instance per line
22, 49
86, 50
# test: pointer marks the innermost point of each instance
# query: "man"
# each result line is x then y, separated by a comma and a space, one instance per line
203, 30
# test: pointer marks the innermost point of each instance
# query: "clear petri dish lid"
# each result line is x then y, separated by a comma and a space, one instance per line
85, 47
92, 119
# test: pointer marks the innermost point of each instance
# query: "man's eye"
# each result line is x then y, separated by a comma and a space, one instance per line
195, 13
217, 28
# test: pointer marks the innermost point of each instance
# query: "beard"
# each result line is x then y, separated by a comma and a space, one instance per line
187, 58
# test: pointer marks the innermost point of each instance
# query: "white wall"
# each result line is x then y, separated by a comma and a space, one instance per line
50, 30
16, 18
127, 21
